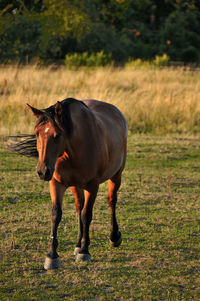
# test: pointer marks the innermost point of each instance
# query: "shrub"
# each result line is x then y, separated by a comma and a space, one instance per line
158, 61
138, 63
88, 60
161, 61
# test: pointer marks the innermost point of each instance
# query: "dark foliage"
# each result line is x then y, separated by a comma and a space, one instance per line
47, 30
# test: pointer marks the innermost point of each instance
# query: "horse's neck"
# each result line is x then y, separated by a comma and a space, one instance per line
84, 133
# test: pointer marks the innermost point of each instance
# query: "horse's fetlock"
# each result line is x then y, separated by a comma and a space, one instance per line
84, 250
52, 254
85, 243
53, 243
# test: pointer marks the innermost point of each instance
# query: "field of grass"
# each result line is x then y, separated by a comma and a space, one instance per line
158, 213
153, 100
159, 200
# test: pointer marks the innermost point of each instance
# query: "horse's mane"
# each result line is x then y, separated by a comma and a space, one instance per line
63, 122
26, 144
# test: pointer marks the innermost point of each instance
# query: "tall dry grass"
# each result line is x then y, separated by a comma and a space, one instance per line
153, 100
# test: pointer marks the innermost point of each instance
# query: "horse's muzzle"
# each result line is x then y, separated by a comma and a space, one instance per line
45, 173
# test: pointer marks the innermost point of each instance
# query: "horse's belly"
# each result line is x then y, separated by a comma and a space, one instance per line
113, 168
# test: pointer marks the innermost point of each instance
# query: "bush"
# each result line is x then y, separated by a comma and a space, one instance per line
138, 63
89, 60
158, 61
161, 61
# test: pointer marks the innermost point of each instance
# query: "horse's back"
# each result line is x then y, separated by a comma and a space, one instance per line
108, 114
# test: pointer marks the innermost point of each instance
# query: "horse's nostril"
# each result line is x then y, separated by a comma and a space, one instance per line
39, 173
45, 174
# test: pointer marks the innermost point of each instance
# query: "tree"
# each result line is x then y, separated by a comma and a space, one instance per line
180, 34
49, 29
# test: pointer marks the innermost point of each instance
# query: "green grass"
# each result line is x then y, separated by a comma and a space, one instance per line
158, 214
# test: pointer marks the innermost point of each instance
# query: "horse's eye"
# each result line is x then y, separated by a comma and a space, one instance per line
37, 134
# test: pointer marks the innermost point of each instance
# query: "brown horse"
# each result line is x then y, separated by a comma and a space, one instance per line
80, 145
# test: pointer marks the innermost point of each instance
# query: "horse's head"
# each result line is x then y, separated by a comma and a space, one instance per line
50, 139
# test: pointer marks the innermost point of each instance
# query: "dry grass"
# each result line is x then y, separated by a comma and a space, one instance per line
158, 100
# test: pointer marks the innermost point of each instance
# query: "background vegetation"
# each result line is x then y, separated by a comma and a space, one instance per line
48, 30
153, 99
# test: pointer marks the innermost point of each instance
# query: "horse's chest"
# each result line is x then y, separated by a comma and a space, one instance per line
70, 175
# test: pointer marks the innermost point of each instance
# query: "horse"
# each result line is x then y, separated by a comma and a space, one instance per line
80, 144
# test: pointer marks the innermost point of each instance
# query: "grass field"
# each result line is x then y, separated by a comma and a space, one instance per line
159, 200
158, 213
153, 100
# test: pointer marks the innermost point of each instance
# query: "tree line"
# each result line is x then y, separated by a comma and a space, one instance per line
48, 30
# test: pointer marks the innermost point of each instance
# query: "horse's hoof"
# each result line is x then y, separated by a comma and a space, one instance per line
76, 250
116, 243
51, 264
83, 257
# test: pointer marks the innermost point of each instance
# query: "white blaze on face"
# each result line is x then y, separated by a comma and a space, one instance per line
46, 130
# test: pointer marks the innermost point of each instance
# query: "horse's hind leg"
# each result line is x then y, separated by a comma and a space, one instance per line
56, 191
79, 202
113, 186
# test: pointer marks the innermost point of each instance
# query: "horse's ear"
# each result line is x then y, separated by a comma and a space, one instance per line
59, 109
35, 111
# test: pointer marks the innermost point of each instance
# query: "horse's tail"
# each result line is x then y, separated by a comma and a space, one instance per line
24, 145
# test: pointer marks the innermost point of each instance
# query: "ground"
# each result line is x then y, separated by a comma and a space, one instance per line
158, 214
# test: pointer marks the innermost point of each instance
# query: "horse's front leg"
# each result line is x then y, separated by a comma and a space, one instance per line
56, 191
79, 203
86, 218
